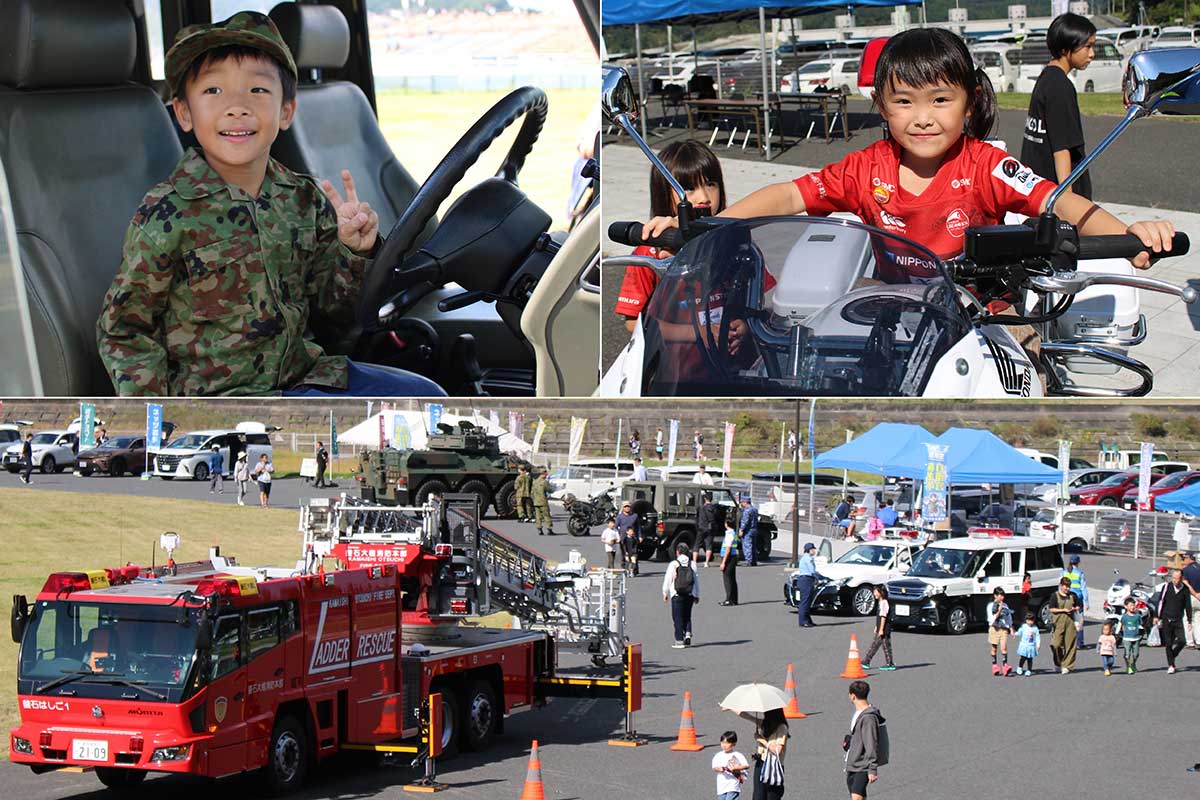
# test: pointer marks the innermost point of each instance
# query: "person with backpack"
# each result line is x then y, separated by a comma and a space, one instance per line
681, 588
866, 744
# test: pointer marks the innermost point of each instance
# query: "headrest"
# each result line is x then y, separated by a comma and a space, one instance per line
67, 43
318, 36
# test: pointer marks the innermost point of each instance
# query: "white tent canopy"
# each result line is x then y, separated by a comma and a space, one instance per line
396, 423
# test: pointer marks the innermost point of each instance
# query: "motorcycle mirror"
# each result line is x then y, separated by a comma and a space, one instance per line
616, 93
1166, 77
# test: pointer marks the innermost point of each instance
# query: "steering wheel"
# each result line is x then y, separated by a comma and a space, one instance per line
385, 270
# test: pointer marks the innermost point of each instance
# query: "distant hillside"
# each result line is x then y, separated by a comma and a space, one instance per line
442, 5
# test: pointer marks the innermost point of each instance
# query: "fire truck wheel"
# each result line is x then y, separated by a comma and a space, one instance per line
120, 780
506, 501
287, 757
451, 717
479, 719
480, 490
432, 486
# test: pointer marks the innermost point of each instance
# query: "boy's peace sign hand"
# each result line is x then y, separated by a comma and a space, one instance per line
358, 224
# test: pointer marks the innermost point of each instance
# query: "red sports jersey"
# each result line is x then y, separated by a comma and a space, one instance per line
638, 283
976, 184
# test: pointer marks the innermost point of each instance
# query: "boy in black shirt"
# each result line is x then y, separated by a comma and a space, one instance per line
1053, 142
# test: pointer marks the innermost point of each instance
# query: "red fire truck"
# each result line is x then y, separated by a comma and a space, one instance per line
212, 668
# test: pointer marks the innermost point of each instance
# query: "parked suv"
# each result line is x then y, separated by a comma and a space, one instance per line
53, 451
951, 582
115, 457
1109, 491
668, 515
189, 455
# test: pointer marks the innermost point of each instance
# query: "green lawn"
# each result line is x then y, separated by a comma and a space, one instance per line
421, 127
1091, 104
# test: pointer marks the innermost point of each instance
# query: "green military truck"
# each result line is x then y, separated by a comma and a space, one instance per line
667, 512
465, 460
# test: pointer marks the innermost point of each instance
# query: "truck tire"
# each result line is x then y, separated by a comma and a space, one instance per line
287, 757
956, 620
48, 465
1044, 618
506, 500
117, 468
200, 473
863, 600
480, 490
120, 781
431, 486
1077, 545
480, 716
683, 536
451, 717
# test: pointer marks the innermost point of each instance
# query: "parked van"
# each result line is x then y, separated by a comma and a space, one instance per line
823, 75
1000, 62
1176, 36
190, 455
1051, 459
585, 477
1127, 459
1131, 39
1104, 74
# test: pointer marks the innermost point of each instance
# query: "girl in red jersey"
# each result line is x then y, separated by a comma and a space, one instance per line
699, 173
932, 176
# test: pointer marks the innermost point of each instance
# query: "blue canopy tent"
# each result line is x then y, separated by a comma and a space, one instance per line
698, 12
975, 456
875, 448
1186, 500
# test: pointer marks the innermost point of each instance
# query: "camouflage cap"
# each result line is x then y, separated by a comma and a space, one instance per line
246, 29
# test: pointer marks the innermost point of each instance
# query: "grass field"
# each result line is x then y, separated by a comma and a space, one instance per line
1091, 104
49, 532
421, 127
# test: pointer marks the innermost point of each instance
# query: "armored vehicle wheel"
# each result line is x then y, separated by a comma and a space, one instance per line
480, 490
431, 486
506, 500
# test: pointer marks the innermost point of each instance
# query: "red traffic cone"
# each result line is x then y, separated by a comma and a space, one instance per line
854, 668
792, 709
533, 777
687, 728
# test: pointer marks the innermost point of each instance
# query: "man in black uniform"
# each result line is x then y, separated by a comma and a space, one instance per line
322, 463
27, 457
708, 523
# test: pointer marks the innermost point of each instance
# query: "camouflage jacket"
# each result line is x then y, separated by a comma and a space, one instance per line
214, 288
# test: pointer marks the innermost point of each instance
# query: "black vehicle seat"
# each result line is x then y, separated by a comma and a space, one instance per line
335, 127
81, 145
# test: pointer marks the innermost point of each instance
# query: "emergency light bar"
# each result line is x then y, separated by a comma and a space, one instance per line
989, 533
76, 581
231, 586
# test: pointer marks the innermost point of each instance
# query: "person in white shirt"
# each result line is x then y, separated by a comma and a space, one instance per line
639, 470
731, 768
611, 540
681, 588
262, 474
702, 477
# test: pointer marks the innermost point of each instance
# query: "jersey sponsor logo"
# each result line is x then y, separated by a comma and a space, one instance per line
957, 222
884, 184
1017, 175
1034, 125
961, 183
820, 184
632, 301
891, 221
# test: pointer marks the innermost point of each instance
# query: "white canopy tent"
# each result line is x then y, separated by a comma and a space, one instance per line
396, 422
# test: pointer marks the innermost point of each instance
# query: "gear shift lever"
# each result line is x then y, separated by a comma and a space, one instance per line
465, 357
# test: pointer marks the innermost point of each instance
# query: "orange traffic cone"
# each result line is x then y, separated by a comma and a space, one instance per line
533, 777
792, 709
687, 728
854, 668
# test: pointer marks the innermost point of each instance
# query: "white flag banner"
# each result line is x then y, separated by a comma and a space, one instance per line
537, 435
516, 424
578, 426
727, 465
1064, 466
617, 451
1143, 495
672, 442
494, 418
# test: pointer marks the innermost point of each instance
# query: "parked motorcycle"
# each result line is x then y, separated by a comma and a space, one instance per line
585, 514
1114, 603
882, 315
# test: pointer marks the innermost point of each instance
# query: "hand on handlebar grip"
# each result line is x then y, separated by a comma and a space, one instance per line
657, 225
1156, 235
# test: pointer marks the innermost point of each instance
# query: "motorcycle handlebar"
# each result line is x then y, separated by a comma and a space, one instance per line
630, 233
1126, 245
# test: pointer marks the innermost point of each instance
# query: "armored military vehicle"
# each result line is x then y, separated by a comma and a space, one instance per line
465, 459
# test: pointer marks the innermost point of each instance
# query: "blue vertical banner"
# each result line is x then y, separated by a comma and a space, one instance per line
154, 427
434, 412
87, 425
401, 433
933, 507
333, 444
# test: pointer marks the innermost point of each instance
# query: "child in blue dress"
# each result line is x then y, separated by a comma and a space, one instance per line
1029, 641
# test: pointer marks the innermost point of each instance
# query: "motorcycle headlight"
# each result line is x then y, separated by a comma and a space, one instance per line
175, 753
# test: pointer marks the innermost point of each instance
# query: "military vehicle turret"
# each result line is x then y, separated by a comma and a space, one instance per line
462, 460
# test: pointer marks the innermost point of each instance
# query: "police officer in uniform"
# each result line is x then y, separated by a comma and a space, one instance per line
805, 578
541, 502
524, 487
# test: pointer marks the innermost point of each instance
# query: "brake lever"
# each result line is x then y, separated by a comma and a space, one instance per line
1073, 283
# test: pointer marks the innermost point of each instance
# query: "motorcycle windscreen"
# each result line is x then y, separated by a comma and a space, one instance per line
799, 306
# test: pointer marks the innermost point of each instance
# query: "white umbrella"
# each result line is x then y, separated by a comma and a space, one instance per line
754, 698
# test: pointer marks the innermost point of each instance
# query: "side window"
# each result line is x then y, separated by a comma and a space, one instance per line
904, 559
1109, 53
690, 501
1049, 558
226, 653
673, 500
257, 438
1014, 563
263, 627
994, 568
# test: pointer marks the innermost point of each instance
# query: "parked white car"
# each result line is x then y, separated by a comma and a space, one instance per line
1051, 459
11, 431
53, 451
823, 75
1000, 62
1078, 529
190, 455
76, 425
848, 580
587, 476
1130, 39
1176, 36
1104, 74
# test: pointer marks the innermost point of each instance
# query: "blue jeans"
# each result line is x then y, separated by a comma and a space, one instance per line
1107, 661
729, 796
368, 380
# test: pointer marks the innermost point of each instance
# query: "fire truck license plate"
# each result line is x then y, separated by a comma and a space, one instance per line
89, 750
901, 610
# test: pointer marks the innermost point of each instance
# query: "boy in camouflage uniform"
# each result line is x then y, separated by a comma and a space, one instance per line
222, 260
